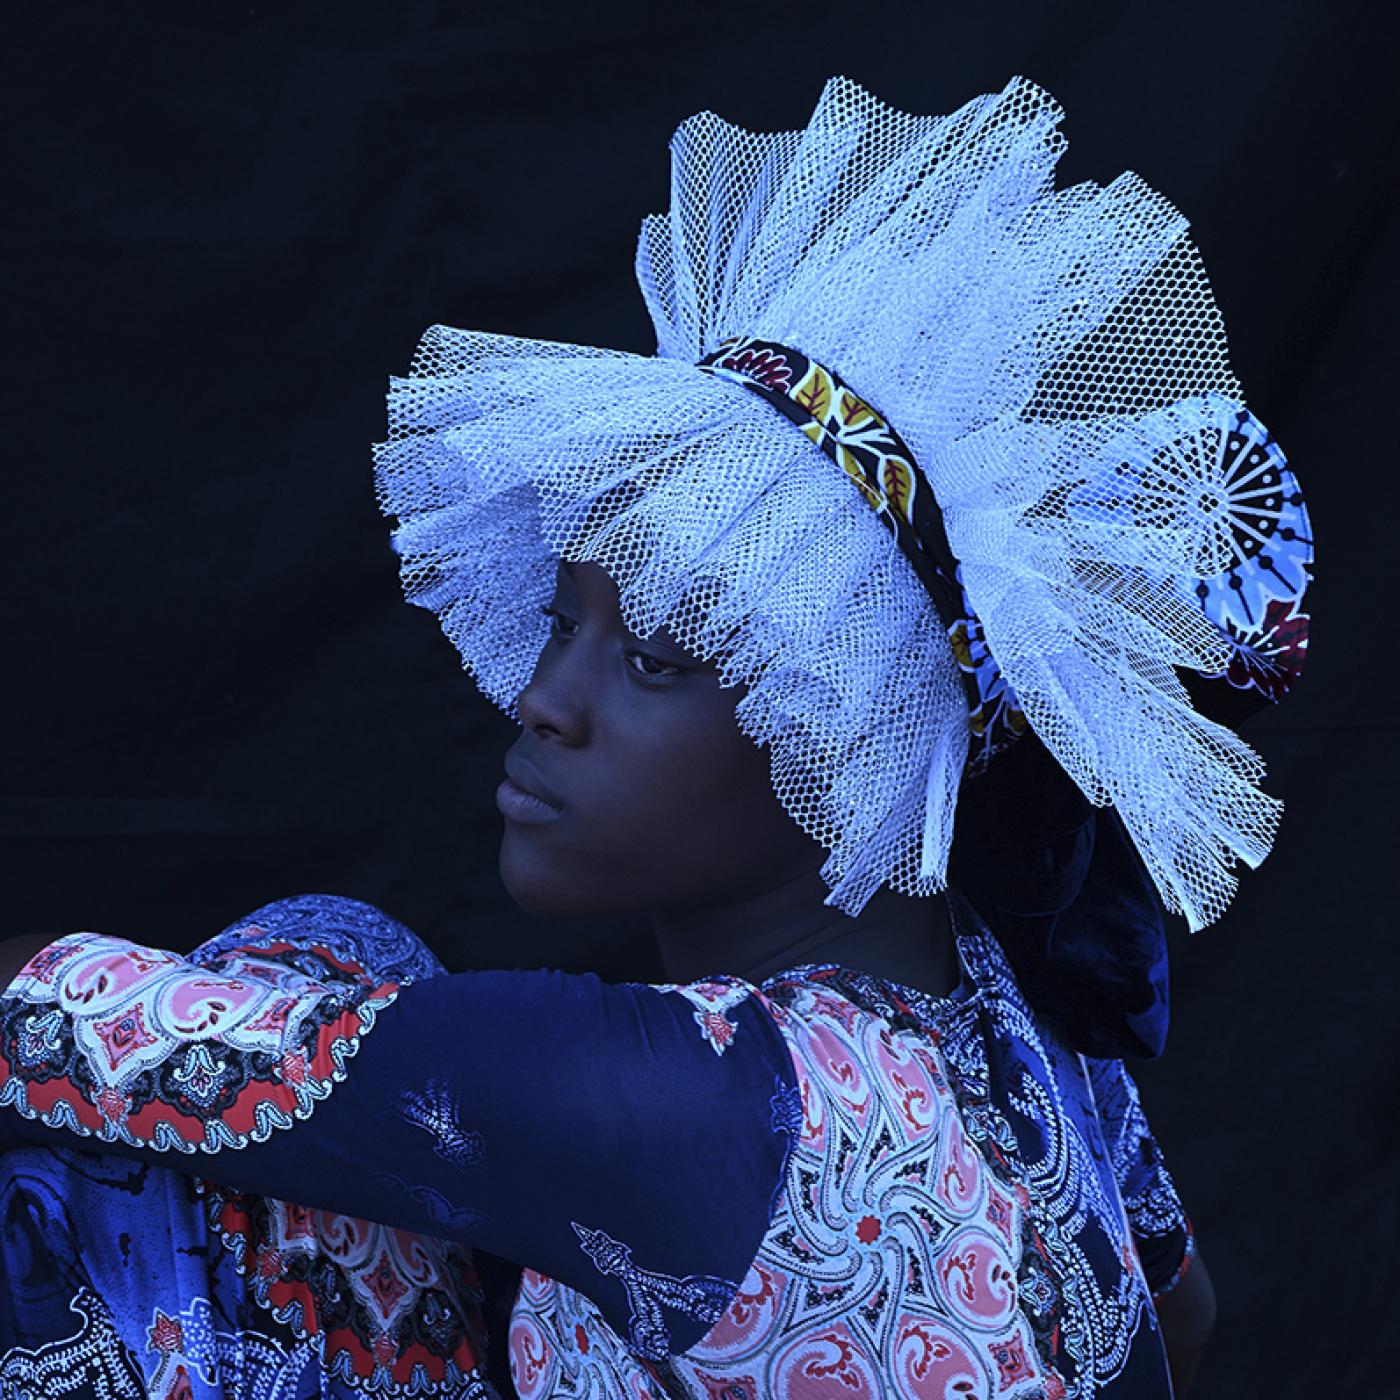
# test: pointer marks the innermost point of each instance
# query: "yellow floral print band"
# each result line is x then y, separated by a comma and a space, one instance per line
879, 463
1257, 601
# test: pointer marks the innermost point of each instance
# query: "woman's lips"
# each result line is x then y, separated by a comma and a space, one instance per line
517, 805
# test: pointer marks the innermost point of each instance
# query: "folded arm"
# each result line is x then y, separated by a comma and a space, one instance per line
554, 1119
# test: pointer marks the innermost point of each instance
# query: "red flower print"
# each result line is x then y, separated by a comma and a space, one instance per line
868, 1230
113, 1104
1270, 658
766, 366
718, 1030
581, 1338
165, 1334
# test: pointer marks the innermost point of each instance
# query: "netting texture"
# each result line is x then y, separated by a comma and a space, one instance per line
1054, 359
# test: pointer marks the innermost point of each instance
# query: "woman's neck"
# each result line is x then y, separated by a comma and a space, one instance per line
894, 936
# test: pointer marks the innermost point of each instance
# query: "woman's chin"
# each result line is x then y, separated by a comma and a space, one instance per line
540, 883
549, 883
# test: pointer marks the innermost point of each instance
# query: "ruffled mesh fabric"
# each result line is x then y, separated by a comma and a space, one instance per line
1056, 363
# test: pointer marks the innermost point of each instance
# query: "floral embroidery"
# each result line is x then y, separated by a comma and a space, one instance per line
699, 1296
711, 1000
456, 1221
434, 1109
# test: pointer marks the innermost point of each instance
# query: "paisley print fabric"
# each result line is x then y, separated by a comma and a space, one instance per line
134, 1044
118, 1288
591, 1110
902, 1195
127, 1280
391, 1310
951, 1220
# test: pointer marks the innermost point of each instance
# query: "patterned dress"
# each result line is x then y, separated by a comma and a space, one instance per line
827, 1185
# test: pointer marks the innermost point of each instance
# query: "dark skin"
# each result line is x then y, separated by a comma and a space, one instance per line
668, 810
1187, 1315
657, 803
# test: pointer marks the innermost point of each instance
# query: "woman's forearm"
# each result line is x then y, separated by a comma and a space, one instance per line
1187, 1315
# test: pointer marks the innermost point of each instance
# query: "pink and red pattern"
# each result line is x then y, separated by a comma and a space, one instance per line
361, 1289
130, 1042
113, 1039
907, 1255
895, 1267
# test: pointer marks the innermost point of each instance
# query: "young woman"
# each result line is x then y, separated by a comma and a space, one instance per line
930, 455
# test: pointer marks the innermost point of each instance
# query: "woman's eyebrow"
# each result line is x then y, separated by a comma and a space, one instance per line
662, 638
565, 583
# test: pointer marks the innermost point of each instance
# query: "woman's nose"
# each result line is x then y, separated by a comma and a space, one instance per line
551, 705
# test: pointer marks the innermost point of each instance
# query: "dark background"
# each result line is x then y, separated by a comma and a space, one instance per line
225, 225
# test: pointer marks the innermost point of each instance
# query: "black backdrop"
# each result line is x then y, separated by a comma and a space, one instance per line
225, 225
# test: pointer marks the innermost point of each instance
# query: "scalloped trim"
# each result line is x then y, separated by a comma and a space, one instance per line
336, 1041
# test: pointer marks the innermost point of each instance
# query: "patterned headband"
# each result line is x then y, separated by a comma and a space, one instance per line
1256, 603
854, 435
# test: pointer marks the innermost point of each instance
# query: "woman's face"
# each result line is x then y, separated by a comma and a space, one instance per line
631, 789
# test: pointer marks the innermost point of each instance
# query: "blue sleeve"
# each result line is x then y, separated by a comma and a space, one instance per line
626, 1140
1160, 1227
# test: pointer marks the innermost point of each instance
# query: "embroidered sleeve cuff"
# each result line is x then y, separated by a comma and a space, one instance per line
111, 1039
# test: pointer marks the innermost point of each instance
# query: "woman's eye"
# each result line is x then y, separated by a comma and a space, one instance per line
640, 662
650, 666
559, 625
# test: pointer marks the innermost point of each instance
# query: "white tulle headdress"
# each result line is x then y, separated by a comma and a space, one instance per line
1010, 483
